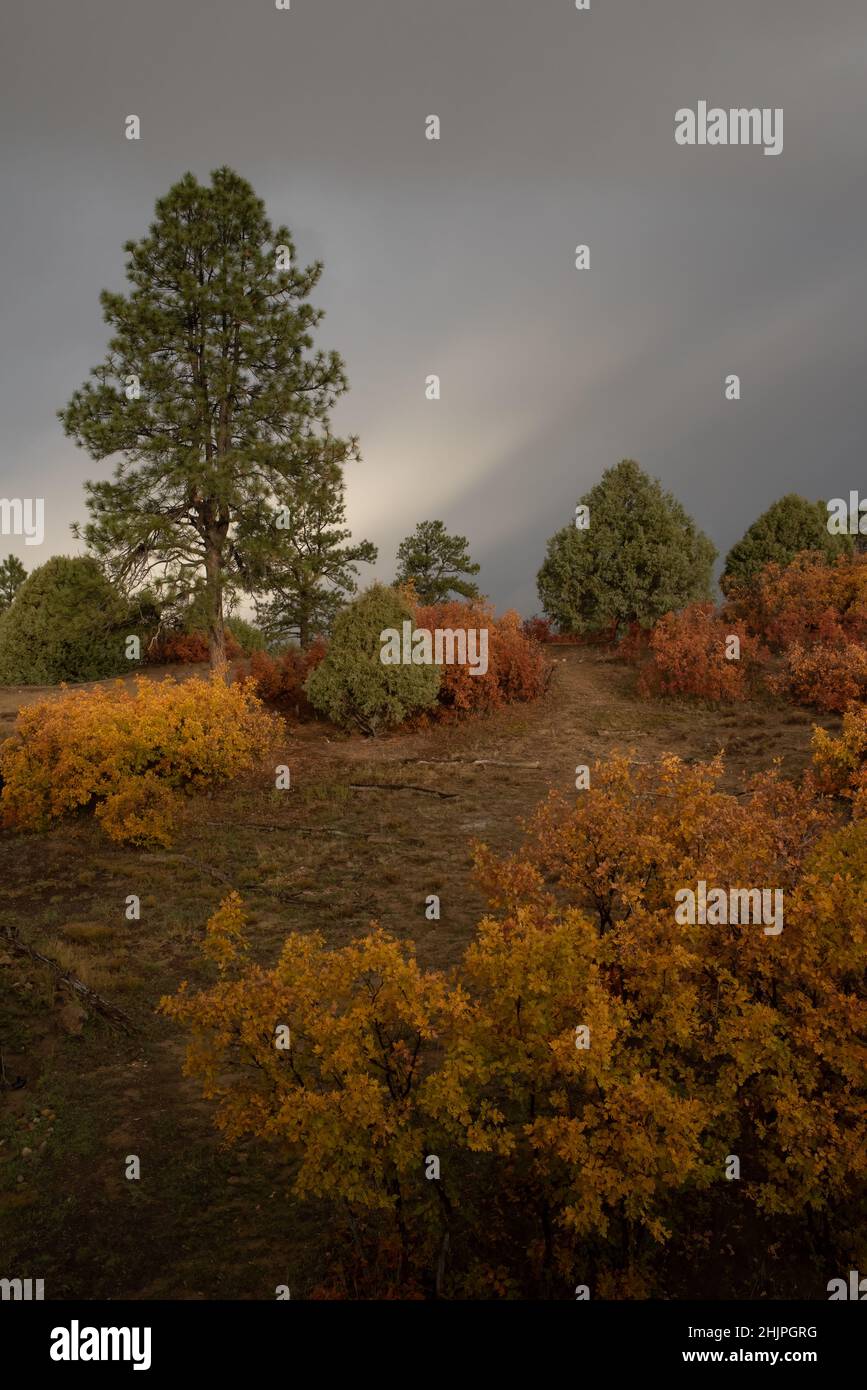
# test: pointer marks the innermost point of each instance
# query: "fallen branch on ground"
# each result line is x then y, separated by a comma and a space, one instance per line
83, 991
292, 829
471, 762
400, 787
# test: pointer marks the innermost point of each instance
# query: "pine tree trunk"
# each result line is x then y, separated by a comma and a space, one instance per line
303, 632
216, 631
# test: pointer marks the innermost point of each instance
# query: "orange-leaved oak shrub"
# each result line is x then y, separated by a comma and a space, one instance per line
634, 645
127, 753
687, 656
810, 615
517, 666
280, 679
827, 675
187, 648
639, 830
583, 1076
588, 1143
805, 601
538, 629
226, 933
814, 616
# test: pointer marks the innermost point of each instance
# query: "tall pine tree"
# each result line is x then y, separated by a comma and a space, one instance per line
435, 562
213, 397
638, 555
316, 572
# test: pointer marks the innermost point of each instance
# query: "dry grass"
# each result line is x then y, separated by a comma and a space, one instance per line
204, 1223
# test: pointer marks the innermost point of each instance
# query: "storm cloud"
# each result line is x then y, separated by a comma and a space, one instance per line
457, 256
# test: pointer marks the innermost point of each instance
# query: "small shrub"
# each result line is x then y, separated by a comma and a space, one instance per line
522, 671
67, 622
806, 601
688, 657
126, 753
841, 762
537, 629
225, 942
827, 675
345, 1102
517, 669
351, 686
189, 648
280, 679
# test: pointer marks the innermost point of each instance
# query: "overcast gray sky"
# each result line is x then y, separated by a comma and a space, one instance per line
457, 257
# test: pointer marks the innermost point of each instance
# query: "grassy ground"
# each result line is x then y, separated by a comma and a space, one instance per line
329, 854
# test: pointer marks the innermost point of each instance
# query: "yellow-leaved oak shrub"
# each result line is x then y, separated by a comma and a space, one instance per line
559, 1163
129, 752
811, 1111
326, 1055
841, 762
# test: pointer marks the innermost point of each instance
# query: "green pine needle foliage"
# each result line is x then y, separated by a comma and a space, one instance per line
436, 564
641, 556
789, 526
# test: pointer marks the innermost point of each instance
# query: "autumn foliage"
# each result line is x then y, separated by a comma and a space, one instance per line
187, 648
517, 668
802, 630
129, 753
279, 680
687, 653
538, 629
841, 762
471, 1132
344, 1095
807, 601
813, 615
826, 676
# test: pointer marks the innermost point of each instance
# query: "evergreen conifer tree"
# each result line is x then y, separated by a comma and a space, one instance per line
212, 396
